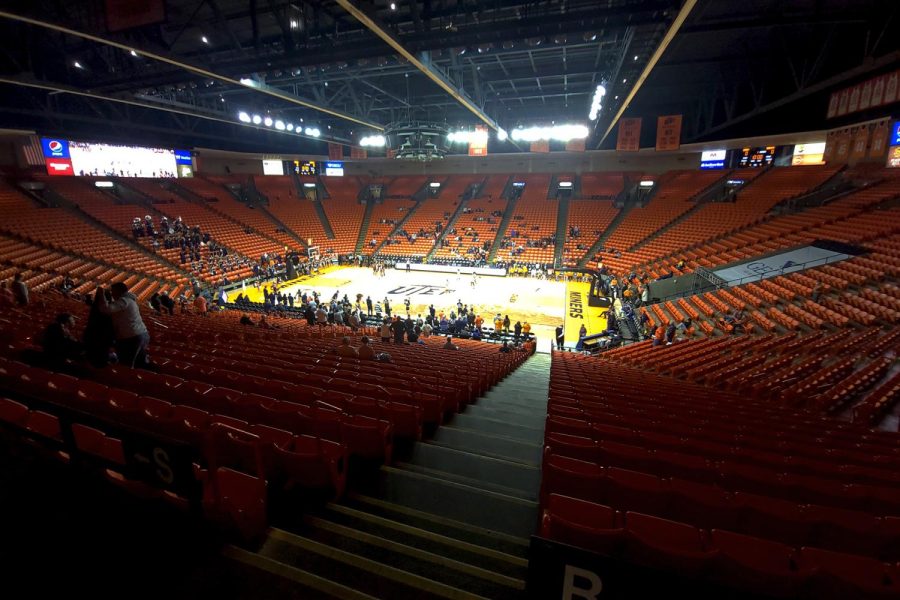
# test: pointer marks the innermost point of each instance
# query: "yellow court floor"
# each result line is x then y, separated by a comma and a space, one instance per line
542, 303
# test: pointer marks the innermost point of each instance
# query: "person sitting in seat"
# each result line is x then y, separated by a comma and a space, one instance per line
505, 348
670, 334
346, 350
659, 335
365, 351
449, 345
58, 342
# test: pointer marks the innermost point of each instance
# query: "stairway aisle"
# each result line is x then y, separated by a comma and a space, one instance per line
451, 518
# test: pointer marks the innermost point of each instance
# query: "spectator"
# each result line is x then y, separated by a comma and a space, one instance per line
58, 342
20, 290
505, 347
167, 303
200, 305
506, 323
365, 351
346, 350
526, 329
448, 345
517, 329
560, 337
385, 331
132, 338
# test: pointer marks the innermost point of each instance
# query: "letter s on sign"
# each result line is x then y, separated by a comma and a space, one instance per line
163, 471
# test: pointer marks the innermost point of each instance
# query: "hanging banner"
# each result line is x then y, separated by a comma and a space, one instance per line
668, 133
833, 105
853, 104
865, 98
830, 142
878, 91
575, 145
629, 139
842, 148
335, 151
873, 93
860, 142
478, 143
878, 143
540, 146
357, 152
890, 88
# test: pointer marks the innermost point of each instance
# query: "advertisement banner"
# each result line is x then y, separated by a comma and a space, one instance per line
893, 160
668, 133
335, 151
358, 153
540, 146
478, 143
575, 145
629, 139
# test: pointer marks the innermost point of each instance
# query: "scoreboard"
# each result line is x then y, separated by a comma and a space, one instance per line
756, 157
309, 167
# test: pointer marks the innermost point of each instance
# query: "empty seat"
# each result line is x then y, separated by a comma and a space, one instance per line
755, 565
664, 544
583, 524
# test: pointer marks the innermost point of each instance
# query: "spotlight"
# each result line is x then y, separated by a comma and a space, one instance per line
243, 117
203, 39
290, 126
133, 53
77, 65
501, 134
257, 119
393, 6
279, 125
267, 121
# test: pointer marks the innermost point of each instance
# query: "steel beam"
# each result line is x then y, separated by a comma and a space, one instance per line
422, 63
197, 70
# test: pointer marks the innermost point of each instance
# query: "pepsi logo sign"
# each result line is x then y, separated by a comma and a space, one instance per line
55, 146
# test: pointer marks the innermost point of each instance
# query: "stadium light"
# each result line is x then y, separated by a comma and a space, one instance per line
597, 102
204, 39
290, 126
279, 125
77, 65
249, 82
243, 117
562, 133
467, 137
103, 184
267, 121
133, 53
312, 131
257, 119
373, 141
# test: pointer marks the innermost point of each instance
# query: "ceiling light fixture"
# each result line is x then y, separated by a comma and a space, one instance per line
257, 119
267, 121
562, 133
204, 39
597, 102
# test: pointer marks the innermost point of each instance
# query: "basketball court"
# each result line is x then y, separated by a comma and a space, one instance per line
540, 302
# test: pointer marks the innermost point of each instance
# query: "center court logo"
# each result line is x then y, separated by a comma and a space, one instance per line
424, 290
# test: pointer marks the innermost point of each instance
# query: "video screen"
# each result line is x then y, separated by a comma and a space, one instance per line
104, 160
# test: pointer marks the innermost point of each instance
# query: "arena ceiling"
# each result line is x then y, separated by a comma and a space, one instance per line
91, 70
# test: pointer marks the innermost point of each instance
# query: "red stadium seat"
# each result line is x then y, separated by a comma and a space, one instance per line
583, 524
755, 565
